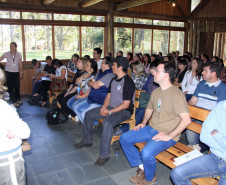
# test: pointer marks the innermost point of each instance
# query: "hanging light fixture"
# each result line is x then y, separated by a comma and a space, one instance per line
172, 2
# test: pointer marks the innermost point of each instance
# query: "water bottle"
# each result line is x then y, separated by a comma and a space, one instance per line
75, 70
78, 90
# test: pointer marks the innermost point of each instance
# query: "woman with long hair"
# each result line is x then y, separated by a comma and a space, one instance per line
192, 78
147, 62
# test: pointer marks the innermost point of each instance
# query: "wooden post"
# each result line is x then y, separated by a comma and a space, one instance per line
53, 43
23, 41
80, 41
186, 37
190, 36
110, 28
198, 37
222, 46
219, 45
215, 45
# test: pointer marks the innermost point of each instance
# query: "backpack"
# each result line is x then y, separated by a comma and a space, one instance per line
53, 116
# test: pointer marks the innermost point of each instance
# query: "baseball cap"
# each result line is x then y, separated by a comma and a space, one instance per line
122, 61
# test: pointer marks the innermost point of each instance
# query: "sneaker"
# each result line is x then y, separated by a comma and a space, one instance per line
196, 146
82, 144
140, 174
16, 104
101, 161
20, 102
118, 133
143, 181
69, 116
76, 118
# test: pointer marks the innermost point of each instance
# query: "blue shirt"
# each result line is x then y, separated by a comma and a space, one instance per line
216, 121
209, 96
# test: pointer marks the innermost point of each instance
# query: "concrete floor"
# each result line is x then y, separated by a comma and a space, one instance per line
54, 161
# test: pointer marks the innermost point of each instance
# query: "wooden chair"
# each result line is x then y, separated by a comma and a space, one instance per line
179, 149
131, 120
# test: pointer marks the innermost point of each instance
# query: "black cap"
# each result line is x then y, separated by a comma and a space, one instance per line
122, 61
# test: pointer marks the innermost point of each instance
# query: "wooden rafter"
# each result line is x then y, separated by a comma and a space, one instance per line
87, 3
47, 2
3, 1
180, 9
133, 3
198, 8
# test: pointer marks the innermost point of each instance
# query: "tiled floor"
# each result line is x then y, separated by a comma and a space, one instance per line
54, 161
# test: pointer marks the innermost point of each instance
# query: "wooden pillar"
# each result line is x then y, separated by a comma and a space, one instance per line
194, 36
110, 28
186, 37
219, 45
222, 46
198, 37
190, 36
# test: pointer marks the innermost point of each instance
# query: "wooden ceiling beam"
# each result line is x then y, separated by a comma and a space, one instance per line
180, 9
3, 1
198, 8
47, 2
133, 3
87, 3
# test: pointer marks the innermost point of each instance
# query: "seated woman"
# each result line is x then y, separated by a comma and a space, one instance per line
83, 87
192, 78
72, 90
147, 62
182, 67
139, 76
72, 64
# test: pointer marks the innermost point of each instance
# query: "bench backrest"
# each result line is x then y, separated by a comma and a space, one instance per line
199, 114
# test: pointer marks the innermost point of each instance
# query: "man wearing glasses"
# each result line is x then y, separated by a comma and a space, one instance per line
169, 115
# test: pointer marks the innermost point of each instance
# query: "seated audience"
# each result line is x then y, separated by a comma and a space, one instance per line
73, 62
192, 78
147, 62
109, 54
205, 59
137, 57
213, 164
38, 73
72, 90
119, 54
117, 107
98, 91
153, 57
13, 130
87, 57
208, 93
130, 57
182, 67
83, 86
97, 52
169, 115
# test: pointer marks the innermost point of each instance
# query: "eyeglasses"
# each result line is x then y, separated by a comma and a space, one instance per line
157, 71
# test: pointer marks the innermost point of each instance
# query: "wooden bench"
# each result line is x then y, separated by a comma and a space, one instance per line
131, 121
167, 156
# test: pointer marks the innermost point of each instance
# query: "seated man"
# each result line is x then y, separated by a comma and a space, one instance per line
98, 92
208, 93
213, 164
118, 107
169, 111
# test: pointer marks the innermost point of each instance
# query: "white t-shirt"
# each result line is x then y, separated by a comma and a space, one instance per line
41, 68
58, 71
99, 63
10, 121
12, 64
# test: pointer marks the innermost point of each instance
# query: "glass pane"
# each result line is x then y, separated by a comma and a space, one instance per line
93, 18
142, 40
92, 37
142, 21
160, 23
160, 41
177, 24
66, 41
40, 16
9, 14
123, 20
194, 3
67, 17
38, 42
123, 40
177, 41
10, 33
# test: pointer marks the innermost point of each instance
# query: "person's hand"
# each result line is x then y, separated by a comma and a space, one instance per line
78, 97
104, 111
136, 128
214, 132
161, 136
186, 92
21, 76
10, 135
86, 75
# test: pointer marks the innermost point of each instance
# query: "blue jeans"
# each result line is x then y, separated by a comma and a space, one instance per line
82, 107
204, 166
188, 96
36, 86
148, 153
72, 102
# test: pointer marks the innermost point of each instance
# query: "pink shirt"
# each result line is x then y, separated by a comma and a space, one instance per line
12, 64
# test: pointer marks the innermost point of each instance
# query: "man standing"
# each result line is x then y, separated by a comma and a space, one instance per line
213, 164
96, 56
169, 115
118, 107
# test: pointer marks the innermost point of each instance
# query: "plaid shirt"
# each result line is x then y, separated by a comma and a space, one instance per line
139, 81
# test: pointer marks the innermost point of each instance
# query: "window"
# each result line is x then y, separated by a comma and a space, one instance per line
143, 21
38, 42
92, 37
66, 17
66, 41
142, 40
177, 24
194, 3
123, 39
9, 14
123, 20
10, 33
39, 16
177, 41
160, 41
160, 23
92, 18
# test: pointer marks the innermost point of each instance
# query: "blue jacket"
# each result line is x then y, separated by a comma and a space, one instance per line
99, 95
